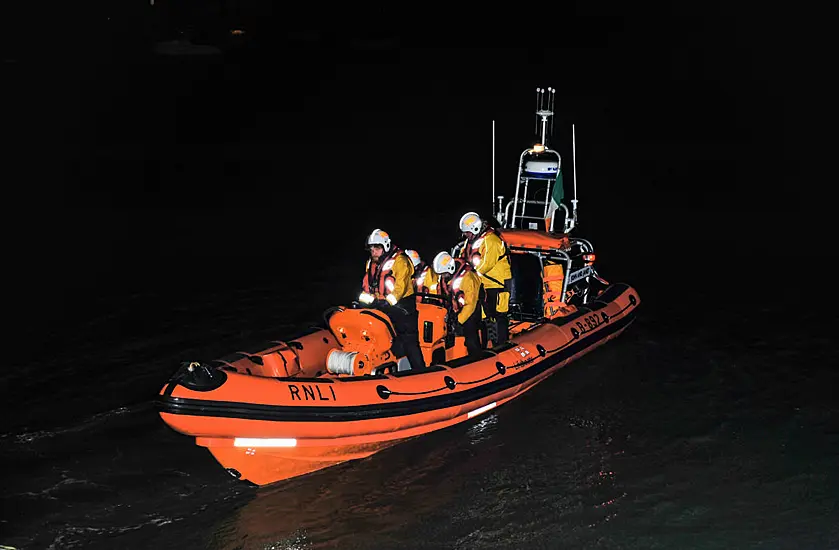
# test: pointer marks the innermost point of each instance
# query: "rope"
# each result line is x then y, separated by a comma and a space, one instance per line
340, 362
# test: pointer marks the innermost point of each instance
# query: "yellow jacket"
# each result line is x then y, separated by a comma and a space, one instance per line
397, 272
470, 285
403, 273
428, 279
493, 269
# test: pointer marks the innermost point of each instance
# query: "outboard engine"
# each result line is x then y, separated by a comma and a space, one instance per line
366, 337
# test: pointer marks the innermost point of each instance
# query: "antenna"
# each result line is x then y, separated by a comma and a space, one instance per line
553, 100
574, 162
538, 106
545, 113
493, 168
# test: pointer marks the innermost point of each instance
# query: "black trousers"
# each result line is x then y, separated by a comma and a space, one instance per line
501, 320
405, 318
470, 330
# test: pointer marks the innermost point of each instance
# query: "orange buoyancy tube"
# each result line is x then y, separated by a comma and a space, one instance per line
303, 424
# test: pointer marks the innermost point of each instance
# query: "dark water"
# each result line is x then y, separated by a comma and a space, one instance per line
188, 224
705, 425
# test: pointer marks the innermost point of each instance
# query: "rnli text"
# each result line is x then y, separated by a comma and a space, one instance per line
309, 392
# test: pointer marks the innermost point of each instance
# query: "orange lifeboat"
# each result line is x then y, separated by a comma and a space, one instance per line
341, 392
280, 412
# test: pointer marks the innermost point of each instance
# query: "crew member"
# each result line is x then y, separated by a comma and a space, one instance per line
459, 281
388, 285
486, 250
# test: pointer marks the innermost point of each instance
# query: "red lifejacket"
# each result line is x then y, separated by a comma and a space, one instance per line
379, 273
420, 274
451, 287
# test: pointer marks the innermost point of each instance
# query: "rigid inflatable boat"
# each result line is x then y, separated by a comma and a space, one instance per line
340, 393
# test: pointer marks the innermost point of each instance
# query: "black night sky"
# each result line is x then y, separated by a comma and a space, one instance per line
687, 124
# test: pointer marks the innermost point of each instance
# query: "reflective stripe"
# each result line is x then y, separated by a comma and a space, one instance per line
366, 298
377, 274
391, 299
480, 410
267, 442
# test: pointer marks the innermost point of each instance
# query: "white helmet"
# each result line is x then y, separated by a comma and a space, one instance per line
379, 237
414, 255
471, 223
444, 263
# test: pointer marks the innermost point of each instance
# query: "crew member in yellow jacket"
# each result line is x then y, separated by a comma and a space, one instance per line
458, 281
388, 285
425, 278
487, 252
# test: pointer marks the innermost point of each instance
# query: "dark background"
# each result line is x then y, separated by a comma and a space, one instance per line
131, 170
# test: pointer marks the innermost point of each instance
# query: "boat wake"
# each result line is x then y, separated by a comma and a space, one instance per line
87, 424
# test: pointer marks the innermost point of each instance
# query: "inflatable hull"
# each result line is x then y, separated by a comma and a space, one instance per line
266, 429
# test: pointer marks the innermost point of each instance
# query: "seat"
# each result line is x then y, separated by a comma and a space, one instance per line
526, 292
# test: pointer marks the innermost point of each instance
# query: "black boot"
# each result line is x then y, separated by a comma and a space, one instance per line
502, 323
490, 333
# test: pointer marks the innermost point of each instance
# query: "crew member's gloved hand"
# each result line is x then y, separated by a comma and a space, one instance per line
366, 298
